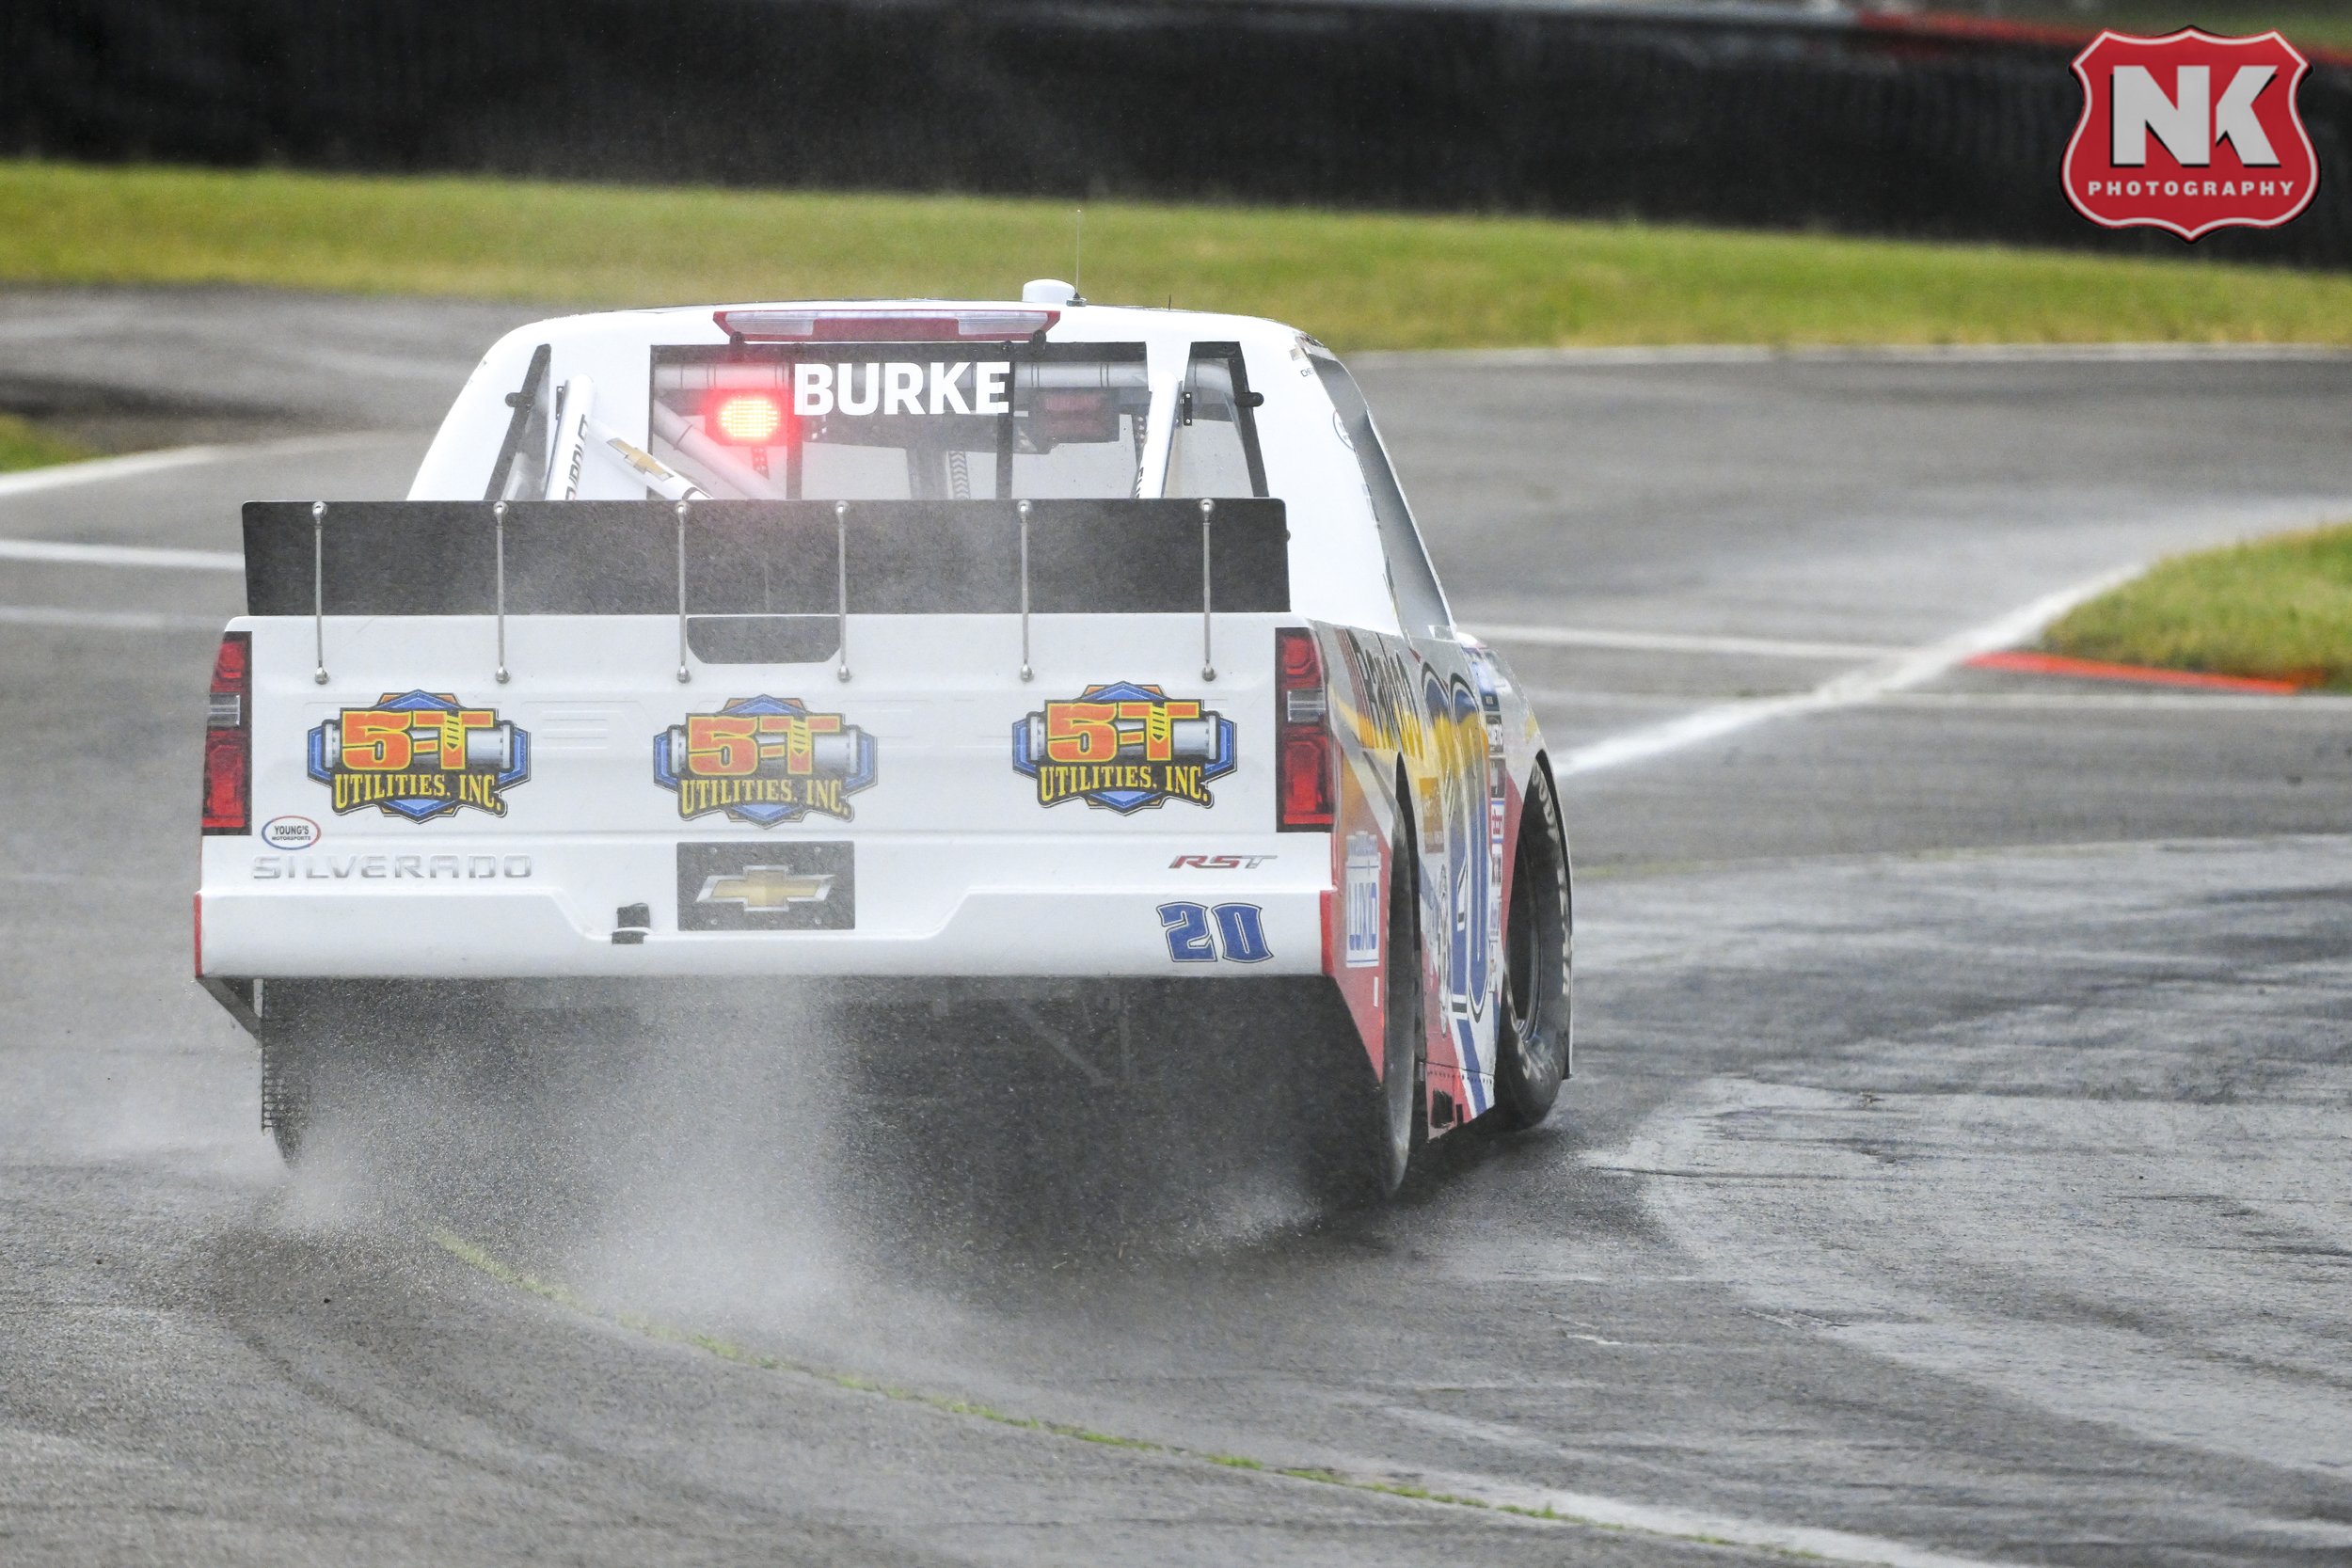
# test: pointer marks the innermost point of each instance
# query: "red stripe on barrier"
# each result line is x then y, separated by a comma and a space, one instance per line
2091, 669
1940, 27
1971, 29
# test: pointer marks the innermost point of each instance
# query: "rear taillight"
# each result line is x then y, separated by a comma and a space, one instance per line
1302, 736
229, 738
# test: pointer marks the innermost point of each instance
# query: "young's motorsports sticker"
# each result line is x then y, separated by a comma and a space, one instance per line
2190, 132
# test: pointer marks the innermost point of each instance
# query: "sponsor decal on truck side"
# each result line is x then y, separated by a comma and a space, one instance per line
1123, 747
420, 755
764, 760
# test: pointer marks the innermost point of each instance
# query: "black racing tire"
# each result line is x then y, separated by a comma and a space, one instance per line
1536, 1036
330, 1049
1374, 1127
289, 1093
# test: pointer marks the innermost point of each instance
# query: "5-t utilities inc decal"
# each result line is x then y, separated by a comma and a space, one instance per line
2190, 134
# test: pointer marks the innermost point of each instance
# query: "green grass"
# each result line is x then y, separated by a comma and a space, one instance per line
2279, 608
24, 446
1359, 281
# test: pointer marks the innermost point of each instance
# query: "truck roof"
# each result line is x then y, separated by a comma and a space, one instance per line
1073, 322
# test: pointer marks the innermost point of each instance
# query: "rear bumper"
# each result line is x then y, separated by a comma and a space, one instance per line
1052, 909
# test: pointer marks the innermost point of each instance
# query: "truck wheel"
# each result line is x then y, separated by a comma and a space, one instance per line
288, 1092
1374, 1127
1533, 1054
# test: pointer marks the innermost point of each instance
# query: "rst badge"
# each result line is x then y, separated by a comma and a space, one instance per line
2190, 134
764, 760
1123, 747
419, 755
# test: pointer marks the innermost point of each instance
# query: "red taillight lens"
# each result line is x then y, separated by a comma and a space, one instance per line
747, 419
1304, 790
1296, 656
1306, 783
229, 738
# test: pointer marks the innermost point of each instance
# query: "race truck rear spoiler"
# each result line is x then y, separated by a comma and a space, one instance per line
766, 583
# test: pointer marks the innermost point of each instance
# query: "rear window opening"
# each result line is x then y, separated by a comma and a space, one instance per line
1213, 448
903, 421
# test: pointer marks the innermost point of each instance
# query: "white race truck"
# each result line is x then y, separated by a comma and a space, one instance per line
947, 653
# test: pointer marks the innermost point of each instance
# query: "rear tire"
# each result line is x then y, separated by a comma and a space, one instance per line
288, 1092
1374, 1127
1535, 1033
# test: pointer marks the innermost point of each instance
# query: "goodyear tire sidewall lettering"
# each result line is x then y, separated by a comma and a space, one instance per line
395, 755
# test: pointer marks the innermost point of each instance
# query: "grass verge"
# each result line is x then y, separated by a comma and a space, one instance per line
2278, 608
1358, 280
27, 446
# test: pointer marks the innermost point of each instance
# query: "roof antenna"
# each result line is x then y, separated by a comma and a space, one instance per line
1077, 256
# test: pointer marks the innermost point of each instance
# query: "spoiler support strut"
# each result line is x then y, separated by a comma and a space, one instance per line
498, 521
841, 567
1026, 673
318, 588
684, 675
1208, 659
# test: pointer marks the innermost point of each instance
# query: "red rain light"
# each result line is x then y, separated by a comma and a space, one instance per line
747, 419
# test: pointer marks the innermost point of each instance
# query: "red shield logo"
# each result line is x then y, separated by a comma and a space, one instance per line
2190, 132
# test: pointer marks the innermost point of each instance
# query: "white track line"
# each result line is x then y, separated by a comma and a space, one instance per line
1807, 1540
120, 555
1678, 642
104, 620
99, 469
1915, 668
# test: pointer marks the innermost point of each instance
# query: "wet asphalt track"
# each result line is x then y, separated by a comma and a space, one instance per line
1959, 1158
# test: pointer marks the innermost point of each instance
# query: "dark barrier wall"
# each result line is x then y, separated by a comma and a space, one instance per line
1796, 123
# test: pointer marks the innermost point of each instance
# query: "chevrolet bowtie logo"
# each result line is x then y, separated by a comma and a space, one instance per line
765, 888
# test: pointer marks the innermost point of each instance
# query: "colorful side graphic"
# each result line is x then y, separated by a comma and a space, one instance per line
764, 760
1124, 748
420, 755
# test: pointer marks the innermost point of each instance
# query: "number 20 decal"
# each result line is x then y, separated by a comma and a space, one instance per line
1195, 934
